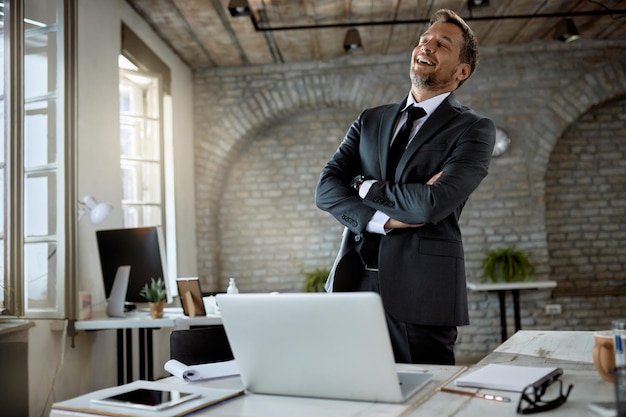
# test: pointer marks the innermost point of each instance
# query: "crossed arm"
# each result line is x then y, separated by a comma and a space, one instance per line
396, 224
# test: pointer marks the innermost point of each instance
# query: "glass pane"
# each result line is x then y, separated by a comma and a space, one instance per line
39, 134
130, 216
139, 94
2, 202
2, 282
141, 182
136, 216
39, 270
139, 138
40, 204
39, 13
2, 140
40, 64
152, 216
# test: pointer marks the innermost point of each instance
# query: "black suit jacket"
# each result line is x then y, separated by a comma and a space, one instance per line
422, 270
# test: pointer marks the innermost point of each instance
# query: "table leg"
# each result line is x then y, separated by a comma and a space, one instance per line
146, 354
129, 355
120, 356
142, 353
150, 354
518, 323
503, 332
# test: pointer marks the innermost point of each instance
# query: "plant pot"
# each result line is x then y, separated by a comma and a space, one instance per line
156, 309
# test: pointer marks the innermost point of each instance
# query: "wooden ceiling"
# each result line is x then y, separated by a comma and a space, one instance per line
205, 35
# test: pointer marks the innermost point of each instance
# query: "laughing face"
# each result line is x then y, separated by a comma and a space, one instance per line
435, 64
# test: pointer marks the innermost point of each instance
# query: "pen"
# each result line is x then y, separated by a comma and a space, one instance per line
491, 397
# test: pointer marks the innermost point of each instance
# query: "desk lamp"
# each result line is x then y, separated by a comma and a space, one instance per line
98, 211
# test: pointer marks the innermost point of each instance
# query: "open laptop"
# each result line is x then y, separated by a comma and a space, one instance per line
315, 345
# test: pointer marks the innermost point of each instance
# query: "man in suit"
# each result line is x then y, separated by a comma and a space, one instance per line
402, 238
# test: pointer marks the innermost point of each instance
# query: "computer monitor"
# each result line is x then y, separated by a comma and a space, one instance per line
142, 249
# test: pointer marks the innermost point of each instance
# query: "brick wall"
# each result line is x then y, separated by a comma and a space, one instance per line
263, 134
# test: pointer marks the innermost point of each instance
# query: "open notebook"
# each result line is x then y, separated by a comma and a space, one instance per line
315, 345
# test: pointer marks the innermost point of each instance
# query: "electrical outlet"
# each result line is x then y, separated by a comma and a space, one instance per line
553, 308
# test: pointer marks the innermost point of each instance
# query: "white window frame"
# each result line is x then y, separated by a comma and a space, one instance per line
57, 232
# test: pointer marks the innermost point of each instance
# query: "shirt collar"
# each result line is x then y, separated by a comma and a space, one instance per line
429, 105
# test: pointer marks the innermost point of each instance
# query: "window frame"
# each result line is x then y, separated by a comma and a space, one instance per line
15, 288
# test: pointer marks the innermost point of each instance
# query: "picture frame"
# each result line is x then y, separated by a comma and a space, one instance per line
190, 296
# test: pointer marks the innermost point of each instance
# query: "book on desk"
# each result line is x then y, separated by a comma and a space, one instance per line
85, 406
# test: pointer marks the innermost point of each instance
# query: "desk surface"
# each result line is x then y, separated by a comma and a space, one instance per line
572, 351
507, 286
142, 320
281, 406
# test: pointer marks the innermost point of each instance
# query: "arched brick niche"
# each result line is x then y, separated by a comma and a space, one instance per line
586, 203
257, 163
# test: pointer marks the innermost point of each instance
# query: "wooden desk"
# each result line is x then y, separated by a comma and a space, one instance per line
145, 325
571, 351
501, 288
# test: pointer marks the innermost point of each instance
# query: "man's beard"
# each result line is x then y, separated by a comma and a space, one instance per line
425, 82
431, 81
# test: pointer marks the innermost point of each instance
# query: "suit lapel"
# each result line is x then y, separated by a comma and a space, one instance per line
447, 110
385, 134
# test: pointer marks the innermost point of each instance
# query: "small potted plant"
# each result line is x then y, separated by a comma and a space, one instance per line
506, 265
155, 293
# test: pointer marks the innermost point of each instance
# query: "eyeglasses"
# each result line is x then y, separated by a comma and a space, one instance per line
544, 397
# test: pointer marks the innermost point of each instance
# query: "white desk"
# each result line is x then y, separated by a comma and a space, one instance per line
571, 351
501, 288
253, 405
144, 324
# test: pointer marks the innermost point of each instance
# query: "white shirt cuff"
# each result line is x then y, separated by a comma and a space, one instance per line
365, 187
377, 223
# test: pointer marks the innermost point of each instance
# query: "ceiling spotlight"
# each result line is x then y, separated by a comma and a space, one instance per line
477, 3
352, 41
566, 31
238, 8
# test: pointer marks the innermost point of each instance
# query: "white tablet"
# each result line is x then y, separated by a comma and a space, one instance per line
147, 399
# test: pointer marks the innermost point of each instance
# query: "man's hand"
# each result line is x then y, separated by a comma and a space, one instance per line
434, 178
396, 224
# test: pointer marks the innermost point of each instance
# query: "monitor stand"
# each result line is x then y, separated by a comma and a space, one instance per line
115, 303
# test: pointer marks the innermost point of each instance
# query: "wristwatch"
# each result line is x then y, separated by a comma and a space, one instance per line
357, 181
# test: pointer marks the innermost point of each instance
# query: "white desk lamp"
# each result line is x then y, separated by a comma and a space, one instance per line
98, 211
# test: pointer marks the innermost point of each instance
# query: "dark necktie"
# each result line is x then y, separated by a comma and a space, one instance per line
402, 139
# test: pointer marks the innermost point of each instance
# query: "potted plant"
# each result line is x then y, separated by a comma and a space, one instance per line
155, 293
314, 281
506, 265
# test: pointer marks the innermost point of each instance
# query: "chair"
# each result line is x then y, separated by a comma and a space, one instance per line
200, 345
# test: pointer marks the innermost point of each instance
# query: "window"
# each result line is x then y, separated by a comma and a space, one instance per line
146, 143
140, 144
34, 159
